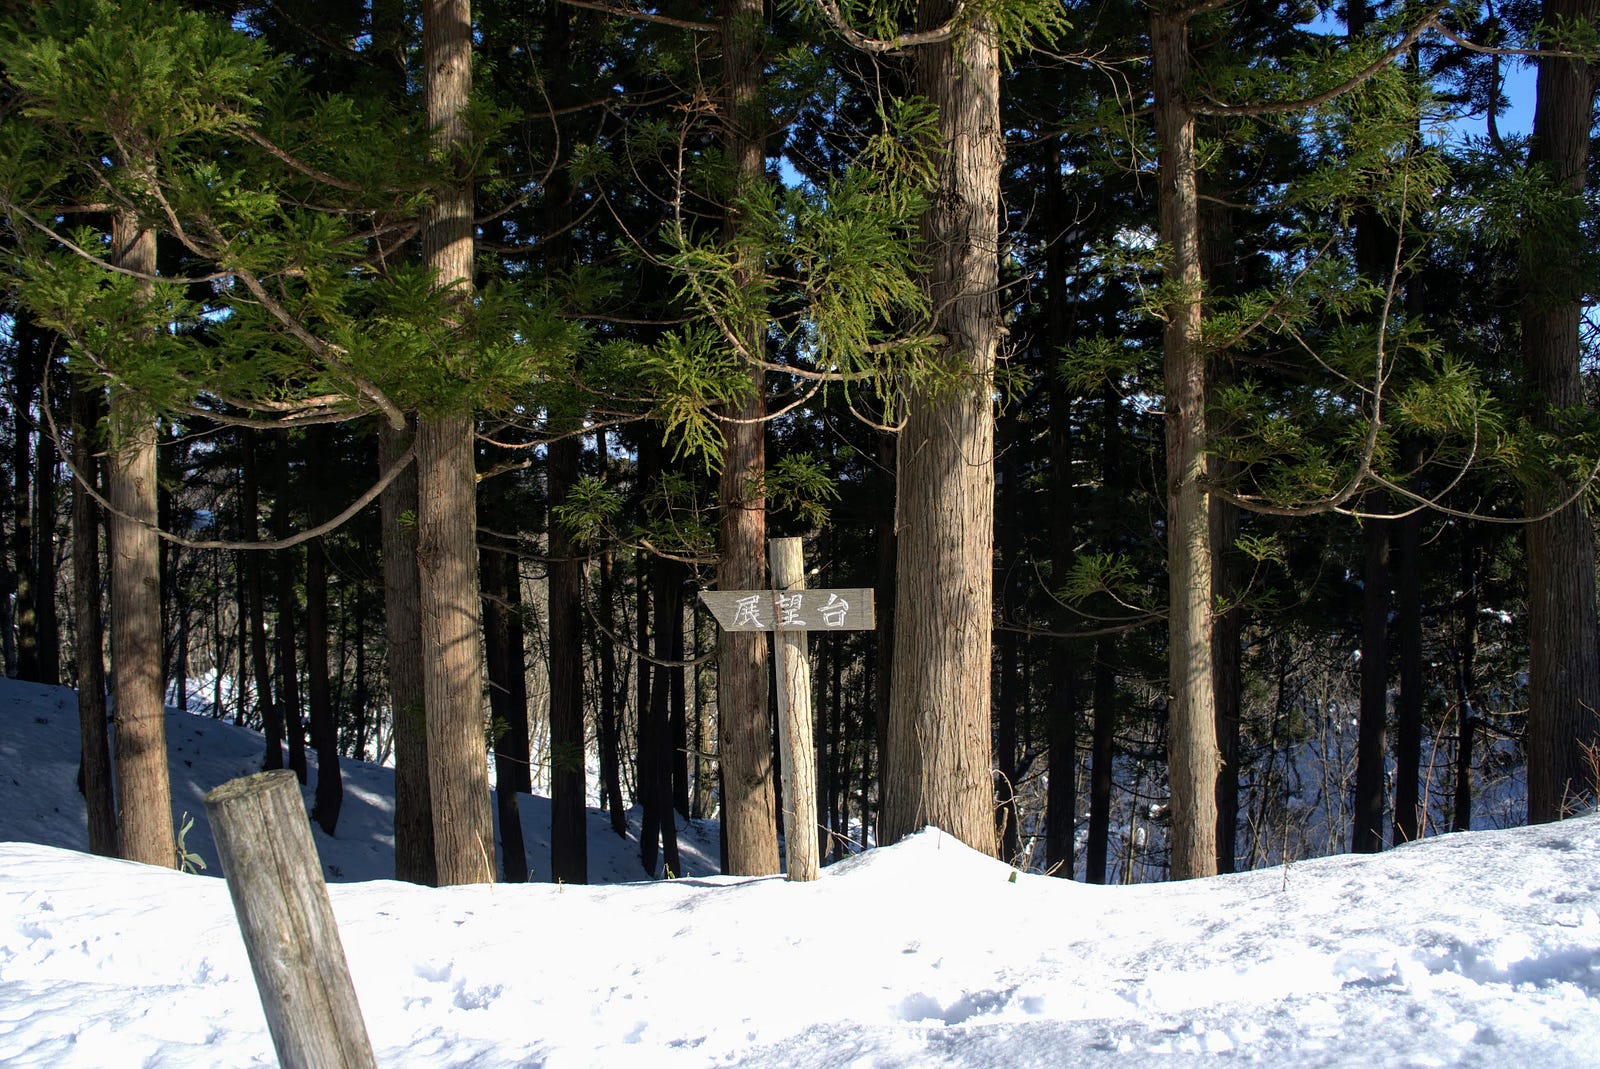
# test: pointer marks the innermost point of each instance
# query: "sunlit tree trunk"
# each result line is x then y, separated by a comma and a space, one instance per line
749, 805
1192, 754
1564, 668
144, 797
447, 551
939, 743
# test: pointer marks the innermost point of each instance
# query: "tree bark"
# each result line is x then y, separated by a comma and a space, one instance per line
508, 696
447, 550
1061, 713
288, 602
1101, 757
749, 808
144, 796
324, 728
1192, 754
1367, 829
939, 703
1408, 706
1564, 668
402, 618
95, 776
47, 625
569, 806
25, 382
255, 604
610, 726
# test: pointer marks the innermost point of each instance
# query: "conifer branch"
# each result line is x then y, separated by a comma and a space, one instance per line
643, 16
898, 43
1279, 107
88, 486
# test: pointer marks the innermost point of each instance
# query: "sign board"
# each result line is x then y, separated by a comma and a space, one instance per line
848, 609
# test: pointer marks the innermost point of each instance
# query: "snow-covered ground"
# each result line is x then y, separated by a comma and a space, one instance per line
1480, 949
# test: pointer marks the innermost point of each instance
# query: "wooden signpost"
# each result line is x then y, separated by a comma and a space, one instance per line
791, 610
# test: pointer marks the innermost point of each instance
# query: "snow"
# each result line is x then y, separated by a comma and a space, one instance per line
1479, 949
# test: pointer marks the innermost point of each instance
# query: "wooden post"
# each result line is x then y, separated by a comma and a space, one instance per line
791, 613
796, 743
264, 843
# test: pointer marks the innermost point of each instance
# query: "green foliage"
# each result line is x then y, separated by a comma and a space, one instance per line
589, 509
798, 483
1101, 573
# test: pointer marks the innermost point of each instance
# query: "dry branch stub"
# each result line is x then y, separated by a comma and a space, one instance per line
263, 839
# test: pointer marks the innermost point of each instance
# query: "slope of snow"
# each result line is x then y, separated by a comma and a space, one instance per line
1479, 949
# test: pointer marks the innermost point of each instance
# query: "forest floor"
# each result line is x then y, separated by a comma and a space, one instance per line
1475, 949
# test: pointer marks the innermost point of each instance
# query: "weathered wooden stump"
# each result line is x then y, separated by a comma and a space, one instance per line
264, 844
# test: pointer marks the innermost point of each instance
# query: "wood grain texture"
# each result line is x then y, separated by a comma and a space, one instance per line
264, 845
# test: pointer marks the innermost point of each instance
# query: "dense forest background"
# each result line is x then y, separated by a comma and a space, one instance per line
1207, 391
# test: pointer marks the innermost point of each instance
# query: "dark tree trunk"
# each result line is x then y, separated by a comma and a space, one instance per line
1466, 654
1408, 706
504, 641
1366, 835
1007, 704
705, 729
667, 596
47, 626
268, 709
95, 769
569, 843
288, 602
678, 714
1563, 635
883, 635
324, 727
1061, 713
29, 363
413, 807
610, 721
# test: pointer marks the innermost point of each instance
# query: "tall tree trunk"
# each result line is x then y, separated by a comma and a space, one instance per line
28, 350
1408, 706
569, 807
1366, 834
95, 777
704, 802
1061, 714
1007, 711
1101, 756
447, 550
47, 626
1228, 679
610, 720
749, 807
939, 703
1191, 710
288, 602
883, 635
144, 795
324, 727
402, 617
667, 595
255, 607
1564, 669
569, 845
508, 694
